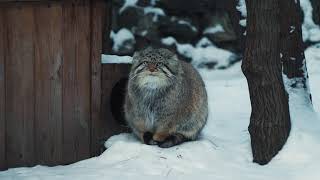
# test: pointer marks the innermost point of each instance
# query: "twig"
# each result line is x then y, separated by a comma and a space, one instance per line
169, 172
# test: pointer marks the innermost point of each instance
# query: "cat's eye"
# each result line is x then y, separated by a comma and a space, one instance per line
145, 63
159, 64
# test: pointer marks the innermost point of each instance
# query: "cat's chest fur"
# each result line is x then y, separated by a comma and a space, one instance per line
151, 111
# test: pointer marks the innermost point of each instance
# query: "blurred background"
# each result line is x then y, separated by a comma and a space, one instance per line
208, 33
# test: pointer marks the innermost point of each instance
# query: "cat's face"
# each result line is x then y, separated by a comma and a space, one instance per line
154, 68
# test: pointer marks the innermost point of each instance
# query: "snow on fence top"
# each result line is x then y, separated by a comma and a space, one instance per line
114, 59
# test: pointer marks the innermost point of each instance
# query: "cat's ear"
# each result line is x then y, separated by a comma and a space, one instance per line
175, 57
148, 49
135, 56
174, 62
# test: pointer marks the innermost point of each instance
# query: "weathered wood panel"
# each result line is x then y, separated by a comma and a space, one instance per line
20, 86
76, 82
2, 93
48, 96
50, 82
97, 15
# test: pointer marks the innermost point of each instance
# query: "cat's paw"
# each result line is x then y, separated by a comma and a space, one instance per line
147, 138
166, 144
152, 142
172, 140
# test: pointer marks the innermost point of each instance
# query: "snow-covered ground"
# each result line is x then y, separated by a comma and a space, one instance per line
223, 151
310, 30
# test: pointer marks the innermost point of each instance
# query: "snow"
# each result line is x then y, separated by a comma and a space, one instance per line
154, 10
313, 63
241, 7
204, 42
119, 38
310, 30
202, 54
188, 24
128, 3
211, 54
114, 59
147, 10
168, 41
223, 150
214, 29
292, 29
153, 2
243, 22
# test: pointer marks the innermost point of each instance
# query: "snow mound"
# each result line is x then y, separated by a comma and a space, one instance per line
205, 52
120, 38
213, 29
155, 11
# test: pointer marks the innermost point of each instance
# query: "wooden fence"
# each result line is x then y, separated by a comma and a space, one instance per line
50, 82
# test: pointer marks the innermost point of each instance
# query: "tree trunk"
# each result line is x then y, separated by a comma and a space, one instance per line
270, 120
316, 11
291, 48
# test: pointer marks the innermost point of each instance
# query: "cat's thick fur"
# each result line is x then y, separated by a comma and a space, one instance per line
166, 101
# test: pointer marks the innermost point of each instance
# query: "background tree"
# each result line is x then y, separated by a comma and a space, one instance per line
270, 120
235, 17
292, 47
274, 45
316, 9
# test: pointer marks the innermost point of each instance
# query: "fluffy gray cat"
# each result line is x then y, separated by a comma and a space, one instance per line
166, 102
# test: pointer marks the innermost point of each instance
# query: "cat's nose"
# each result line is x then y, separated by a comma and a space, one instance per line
152, 67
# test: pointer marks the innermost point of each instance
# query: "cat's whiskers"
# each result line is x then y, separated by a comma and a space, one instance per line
134, 76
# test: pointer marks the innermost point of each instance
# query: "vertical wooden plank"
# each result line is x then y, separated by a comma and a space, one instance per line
48, 66
76, 81
2, 90
107, 26
20, 86
83, 77
97, 125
